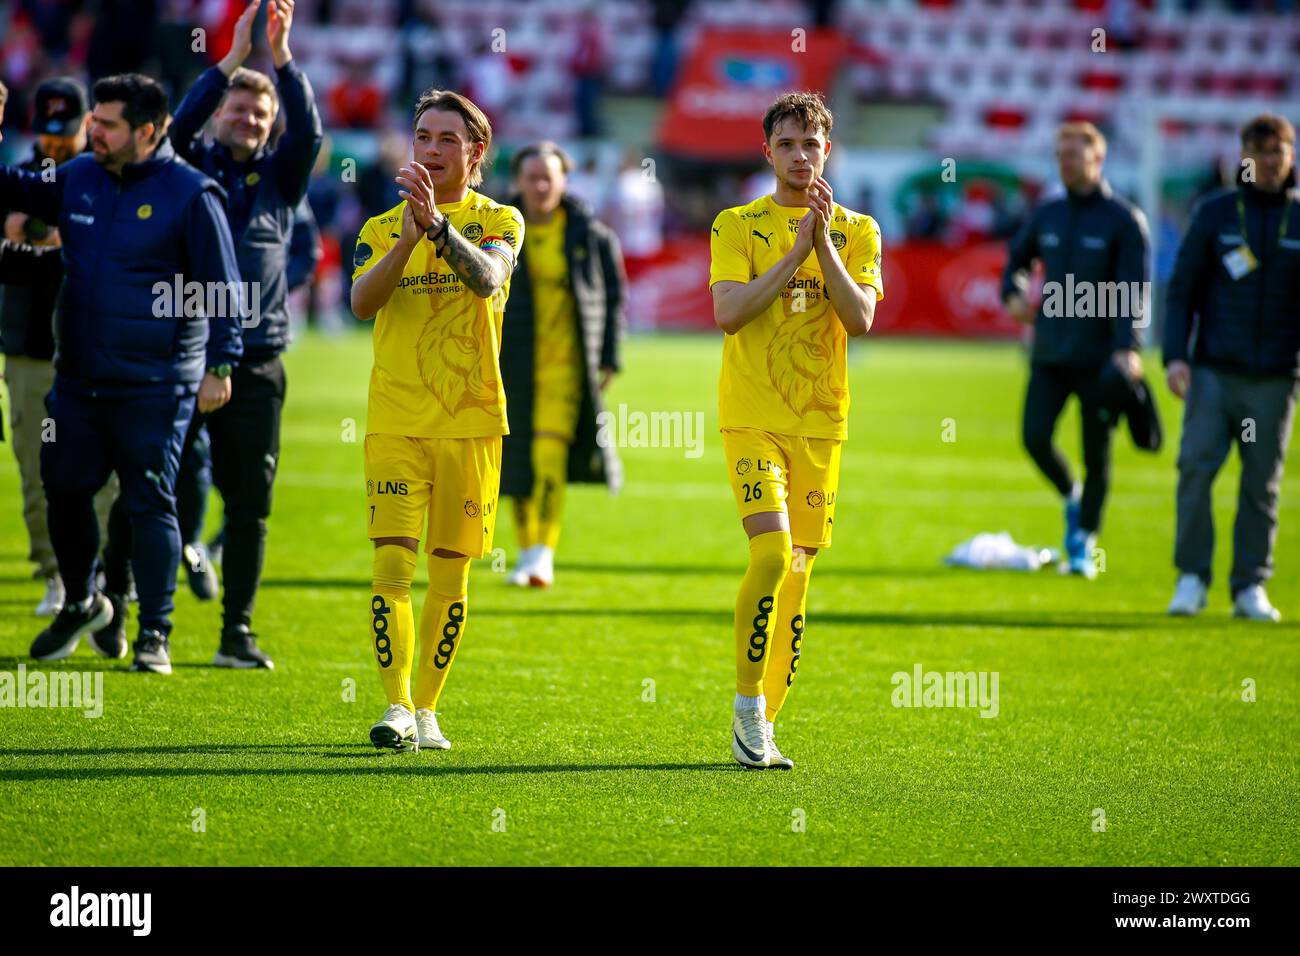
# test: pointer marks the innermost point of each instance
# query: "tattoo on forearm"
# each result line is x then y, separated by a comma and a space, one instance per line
482, 272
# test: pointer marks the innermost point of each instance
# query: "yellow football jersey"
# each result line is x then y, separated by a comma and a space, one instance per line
786, 372
554, 320
436, 372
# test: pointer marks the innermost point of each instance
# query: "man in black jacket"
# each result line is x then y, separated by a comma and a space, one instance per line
61, 115
1095, 251
1232, 351
265, 185
560, 343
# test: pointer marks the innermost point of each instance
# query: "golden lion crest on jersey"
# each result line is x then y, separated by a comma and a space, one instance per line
800, 362
449, 355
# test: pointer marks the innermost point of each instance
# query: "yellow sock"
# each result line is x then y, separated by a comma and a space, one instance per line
525, 523
550, 475
392, 626
783, 662
442, 626
769, 559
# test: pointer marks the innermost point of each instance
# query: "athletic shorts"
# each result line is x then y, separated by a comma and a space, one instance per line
441, 489
786, 473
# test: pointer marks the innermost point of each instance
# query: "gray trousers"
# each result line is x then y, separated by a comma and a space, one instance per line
29, 381
1223, 408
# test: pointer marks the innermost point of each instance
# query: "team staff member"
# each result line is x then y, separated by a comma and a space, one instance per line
1085, 238
130, 367
434, 272
61, 116
794, 275
559, 350
264, 186
1232, 351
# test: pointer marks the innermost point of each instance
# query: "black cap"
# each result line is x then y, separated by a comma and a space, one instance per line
61, 105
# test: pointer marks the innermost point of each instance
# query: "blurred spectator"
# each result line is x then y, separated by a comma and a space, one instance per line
666, 17
637, 211
588, 68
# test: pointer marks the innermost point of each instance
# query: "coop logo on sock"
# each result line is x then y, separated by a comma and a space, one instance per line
923, 688
75, 909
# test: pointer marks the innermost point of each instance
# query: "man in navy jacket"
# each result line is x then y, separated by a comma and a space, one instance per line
264, 185
148, 327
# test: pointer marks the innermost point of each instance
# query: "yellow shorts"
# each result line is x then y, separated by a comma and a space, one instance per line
452, 481
556, 401
786, 473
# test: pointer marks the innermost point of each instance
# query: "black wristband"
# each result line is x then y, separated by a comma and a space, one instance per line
446, 224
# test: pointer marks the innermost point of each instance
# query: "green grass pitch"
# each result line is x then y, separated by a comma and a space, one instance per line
559, 757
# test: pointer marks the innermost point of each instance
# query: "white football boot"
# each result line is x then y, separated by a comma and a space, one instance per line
749, 737
1253, 604
396, 730
523, 567
431, 737
542, 573
1189, 596
775, 758
52, 603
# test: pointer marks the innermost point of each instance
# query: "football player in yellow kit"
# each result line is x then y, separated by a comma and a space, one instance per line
434, 273
793, 276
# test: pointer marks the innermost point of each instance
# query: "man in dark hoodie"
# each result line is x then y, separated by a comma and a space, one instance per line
265, 184
1232, 352
1095, 253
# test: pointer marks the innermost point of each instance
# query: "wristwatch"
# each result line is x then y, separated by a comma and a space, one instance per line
220, 371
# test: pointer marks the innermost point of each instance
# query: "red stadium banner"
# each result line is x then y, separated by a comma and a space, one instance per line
732, 77
930, 289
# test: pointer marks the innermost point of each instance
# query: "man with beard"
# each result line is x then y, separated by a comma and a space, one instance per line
264, 185
132, 363
794, 275
61, 116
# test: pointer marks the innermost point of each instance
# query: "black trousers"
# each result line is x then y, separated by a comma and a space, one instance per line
244, 440
1050, 387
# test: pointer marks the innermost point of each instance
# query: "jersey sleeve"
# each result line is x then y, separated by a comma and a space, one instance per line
728, 252
504, 234
372, 244
863, 262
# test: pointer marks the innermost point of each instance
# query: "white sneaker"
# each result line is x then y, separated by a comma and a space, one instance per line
775, 757
395, 730
52, 603
1189, 596
1252, 603
523, 567
430, 736
749, 738
542, 572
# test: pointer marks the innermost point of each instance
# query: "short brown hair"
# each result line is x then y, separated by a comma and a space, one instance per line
808, 109
545, 149
480, 130
254, 82
1265, 126
1086, 132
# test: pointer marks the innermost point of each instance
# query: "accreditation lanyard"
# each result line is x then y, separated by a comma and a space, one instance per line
1281, 226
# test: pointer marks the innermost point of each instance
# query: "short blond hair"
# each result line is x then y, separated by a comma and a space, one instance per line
254, 82
1086, 132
